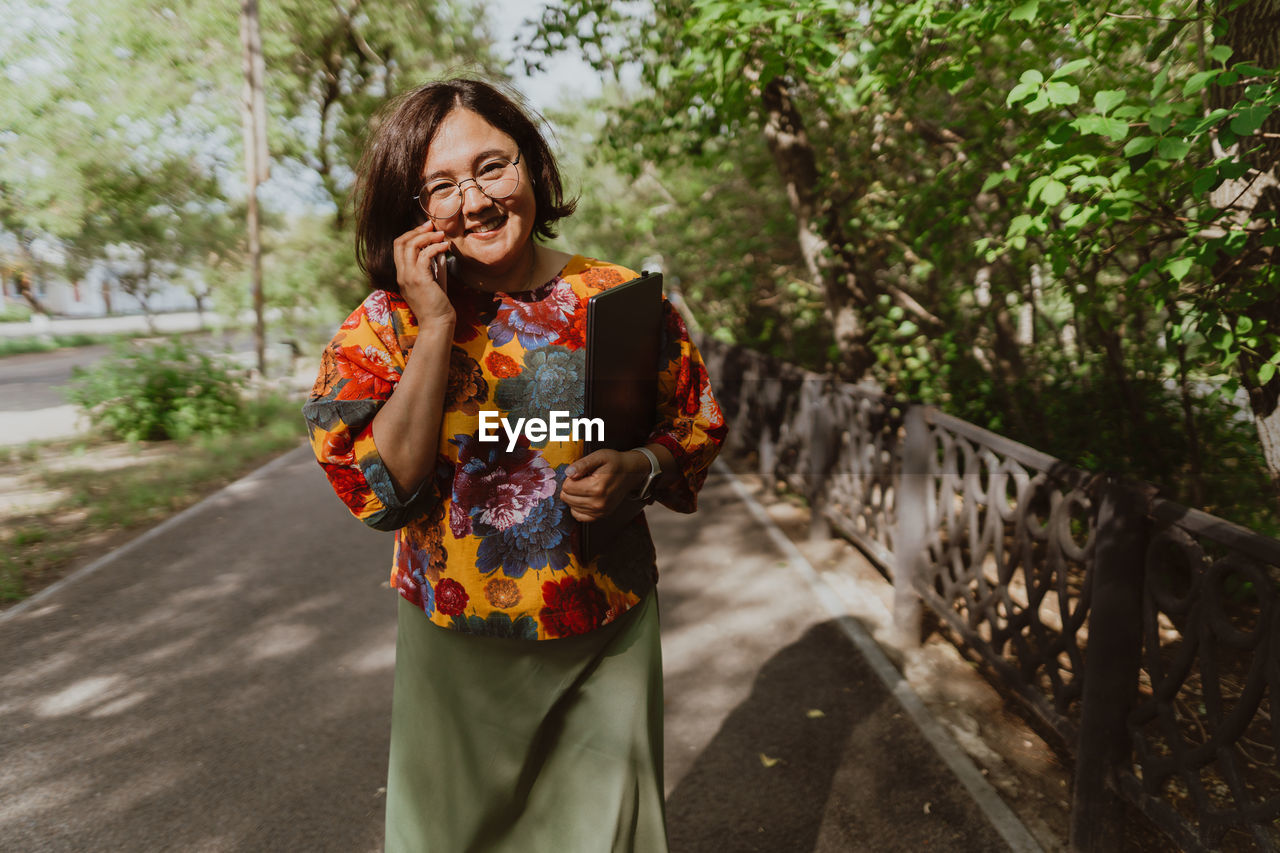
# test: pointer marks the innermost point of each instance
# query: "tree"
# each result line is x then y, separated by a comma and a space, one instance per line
332, 65
134, 84
1008, 204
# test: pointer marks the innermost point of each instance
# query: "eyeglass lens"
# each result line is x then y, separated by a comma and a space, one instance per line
497, 179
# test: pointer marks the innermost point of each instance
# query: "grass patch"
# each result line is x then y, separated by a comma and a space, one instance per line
15, 313
99, 505
49, 343
21, 346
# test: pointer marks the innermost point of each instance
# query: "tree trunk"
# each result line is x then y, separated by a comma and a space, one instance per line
28, 294
1253, 33
143, 295
255, 151
847, 295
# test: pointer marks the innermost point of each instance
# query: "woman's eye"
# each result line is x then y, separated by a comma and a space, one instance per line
440, 190
494, 166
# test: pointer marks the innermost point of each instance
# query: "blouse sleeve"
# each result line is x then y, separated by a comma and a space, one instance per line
690, 423
358, 371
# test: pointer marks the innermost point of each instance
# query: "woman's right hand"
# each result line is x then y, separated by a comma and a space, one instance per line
416, 253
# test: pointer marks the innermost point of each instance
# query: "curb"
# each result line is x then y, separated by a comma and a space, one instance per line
159, 530
1002, 818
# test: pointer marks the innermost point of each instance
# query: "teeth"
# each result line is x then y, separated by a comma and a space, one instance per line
484, 229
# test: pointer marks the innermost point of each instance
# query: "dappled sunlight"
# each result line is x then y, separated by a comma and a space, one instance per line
80, 696
380, 658
277, 640
27, 802
120, 705
207, 591
228, 661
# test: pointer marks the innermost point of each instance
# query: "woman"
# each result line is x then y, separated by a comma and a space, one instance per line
534, 721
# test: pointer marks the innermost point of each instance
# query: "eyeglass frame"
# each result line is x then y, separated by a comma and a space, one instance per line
462, 193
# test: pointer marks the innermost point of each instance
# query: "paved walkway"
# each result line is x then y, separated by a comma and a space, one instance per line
224, 684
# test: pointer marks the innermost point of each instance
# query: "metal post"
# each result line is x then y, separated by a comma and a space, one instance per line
910, 532
1110, 667
823, 434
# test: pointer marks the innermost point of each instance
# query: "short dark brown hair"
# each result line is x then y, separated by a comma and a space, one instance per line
390, 171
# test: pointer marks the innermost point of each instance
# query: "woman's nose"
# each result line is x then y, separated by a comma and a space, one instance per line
473, 201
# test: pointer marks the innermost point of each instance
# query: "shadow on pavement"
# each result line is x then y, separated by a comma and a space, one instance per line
858, 776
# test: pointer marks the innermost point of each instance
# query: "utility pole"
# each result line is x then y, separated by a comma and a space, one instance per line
255, 158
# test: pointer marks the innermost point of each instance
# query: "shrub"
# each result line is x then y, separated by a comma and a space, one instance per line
165, 391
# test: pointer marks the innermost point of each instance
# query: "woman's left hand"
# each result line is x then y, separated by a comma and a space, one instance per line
598, 482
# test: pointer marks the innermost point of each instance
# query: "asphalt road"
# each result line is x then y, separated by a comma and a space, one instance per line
225, 685
37, 380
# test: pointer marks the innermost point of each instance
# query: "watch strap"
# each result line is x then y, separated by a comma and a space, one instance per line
655, 471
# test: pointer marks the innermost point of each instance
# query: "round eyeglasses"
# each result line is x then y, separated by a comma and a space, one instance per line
442, 198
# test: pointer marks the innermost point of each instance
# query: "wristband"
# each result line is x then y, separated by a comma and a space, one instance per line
655, 471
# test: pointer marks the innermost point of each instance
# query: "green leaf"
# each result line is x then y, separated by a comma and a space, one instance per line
1107, 100
1172, 148
1033, 193
1178, 268
1098, 125
1039, 103
1161, 42
1250, 119
1021, 92
1244, 325
1070, 68
1265, 373
1205, 180
1026, 11
1081, 218
1248, 69
1210, 120
993, 180
1031, 75
1115, 129
1139, 145
1199, 80
1220, 52
1061, 133
1062, 93
1053, 192
1162, 80
1020, 224
1233, 169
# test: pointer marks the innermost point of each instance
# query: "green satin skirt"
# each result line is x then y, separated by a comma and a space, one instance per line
536, 746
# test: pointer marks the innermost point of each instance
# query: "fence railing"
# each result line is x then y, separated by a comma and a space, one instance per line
1140, 636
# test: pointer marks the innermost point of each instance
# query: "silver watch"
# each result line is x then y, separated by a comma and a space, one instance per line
645, 493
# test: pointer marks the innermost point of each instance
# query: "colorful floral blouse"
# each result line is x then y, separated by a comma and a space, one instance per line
487, 546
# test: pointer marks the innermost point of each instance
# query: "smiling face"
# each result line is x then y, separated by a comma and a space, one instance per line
493, 235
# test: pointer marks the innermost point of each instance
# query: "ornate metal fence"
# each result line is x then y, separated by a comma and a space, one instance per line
1031, 565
